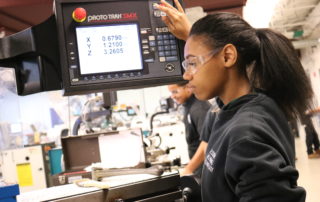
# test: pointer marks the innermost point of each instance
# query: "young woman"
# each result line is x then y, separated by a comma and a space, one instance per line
258, 78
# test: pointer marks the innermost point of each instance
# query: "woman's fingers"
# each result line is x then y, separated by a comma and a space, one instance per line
175, 19
178, 5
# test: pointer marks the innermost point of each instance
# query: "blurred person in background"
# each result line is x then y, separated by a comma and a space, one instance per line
194, 113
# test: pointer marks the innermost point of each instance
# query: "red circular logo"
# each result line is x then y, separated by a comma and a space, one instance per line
79, 14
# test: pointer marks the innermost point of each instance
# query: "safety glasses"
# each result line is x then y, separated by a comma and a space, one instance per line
192, 63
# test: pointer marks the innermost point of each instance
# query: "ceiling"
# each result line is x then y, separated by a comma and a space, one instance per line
17, 15
297, 19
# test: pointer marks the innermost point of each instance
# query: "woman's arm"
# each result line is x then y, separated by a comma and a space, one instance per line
175, 19
196, 160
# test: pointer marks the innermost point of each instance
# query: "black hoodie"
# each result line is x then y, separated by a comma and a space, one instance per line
250, 154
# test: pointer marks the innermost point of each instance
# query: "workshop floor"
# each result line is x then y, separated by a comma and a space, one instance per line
309, 170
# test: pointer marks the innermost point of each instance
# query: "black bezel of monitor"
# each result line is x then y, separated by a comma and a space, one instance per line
151, 75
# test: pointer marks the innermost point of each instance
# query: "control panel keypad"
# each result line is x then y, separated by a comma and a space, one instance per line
167, 47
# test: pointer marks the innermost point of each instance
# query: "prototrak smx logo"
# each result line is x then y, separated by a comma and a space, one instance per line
112, 17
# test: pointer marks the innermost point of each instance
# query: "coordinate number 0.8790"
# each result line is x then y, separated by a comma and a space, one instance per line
112, 38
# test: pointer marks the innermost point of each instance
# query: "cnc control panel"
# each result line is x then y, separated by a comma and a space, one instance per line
117, 44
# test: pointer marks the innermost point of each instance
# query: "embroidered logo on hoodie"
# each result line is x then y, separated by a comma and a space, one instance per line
209, 162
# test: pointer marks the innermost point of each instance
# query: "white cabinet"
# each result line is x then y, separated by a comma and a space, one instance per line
25, 166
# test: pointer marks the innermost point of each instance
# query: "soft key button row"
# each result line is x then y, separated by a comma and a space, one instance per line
112, 76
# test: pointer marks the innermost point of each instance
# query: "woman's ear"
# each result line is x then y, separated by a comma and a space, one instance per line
230, 55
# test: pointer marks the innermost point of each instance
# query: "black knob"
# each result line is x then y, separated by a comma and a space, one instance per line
187, 191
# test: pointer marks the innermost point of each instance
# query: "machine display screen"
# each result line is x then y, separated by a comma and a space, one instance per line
109, 48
